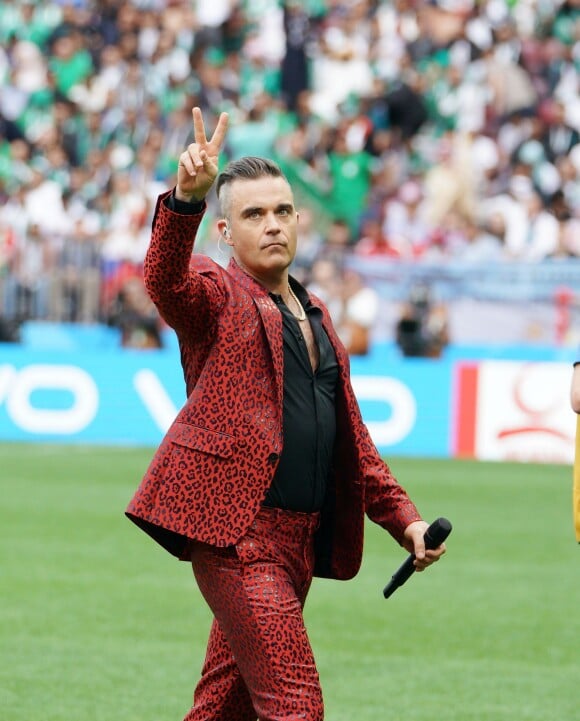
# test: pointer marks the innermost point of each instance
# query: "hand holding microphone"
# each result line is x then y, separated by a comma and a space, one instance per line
434, 537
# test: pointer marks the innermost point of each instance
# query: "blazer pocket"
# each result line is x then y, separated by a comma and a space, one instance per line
203, 439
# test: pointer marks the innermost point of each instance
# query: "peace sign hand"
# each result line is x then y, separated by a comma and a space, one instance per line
198, 165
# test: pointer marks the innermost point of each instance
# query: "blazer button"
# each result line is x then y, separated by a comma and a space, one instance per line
273, 457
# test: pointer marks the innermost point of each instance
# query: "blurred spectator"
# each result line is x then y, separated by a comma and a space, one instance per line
133, 312
76, 280
507, 213
294, 71
359, 311
559, 136
27, 285
510, 87
406, 223
482, 242
568, 245
353, 305
349, 174
126, 233
422, 329
450, 184
310, 241
337, 243
374, 242
541, 230
325, 282
340, 65
405, 105
254, 134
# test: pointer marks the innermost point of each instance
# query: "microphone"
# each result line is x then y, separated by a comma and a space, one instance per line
434, 537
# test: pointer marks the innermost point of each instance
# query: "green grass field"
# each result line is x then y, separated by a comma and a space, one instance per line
99, 624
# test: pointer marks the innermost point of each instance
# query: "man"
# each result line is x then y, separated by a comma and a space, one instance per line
264, 477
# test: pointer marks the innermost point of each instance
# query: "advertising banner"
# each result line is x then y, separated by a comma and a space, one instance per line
486, 409
514, 411
131, 397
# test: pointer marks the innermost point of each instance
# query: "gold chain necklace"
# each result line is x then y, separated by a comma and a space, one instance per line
302, 314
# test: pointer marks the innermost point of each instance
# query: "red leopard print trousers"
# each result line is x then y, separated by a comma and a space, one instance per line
259, 663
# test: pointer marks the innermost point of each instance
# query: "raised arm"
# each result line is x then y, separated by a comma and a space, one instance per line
184, 299
198, 164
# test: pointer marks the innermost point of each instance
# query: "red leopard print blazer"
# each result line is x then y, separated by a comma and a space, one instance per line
212, 470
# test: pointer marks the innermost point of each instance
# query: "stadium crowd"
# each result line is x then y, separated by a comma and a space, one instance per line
415, 130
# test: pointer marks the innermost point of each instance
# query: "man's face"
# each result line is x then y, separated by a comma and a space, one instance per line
263, 227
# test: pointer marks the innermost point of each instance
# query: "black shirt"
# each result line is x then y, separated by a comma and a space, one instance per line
309, 416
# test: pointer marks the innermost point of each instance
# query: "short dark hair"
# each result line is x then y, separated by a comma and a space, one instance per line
249, 167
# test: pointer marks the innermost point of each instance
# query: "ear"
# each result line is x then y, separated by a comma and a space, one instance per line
224, 229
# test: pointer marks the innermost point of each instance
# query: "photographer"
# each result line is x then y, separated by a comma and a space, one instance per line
422, 329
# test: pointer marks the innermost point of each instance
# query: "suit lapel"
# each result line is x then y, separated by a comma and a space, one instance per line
271, 320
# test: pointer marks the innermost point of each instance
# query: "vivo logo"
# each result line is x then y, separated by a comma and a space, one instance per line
398, 399
18, 387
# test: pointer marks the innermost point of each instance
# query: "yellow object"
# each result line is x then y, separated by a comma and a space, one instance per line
576, 484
